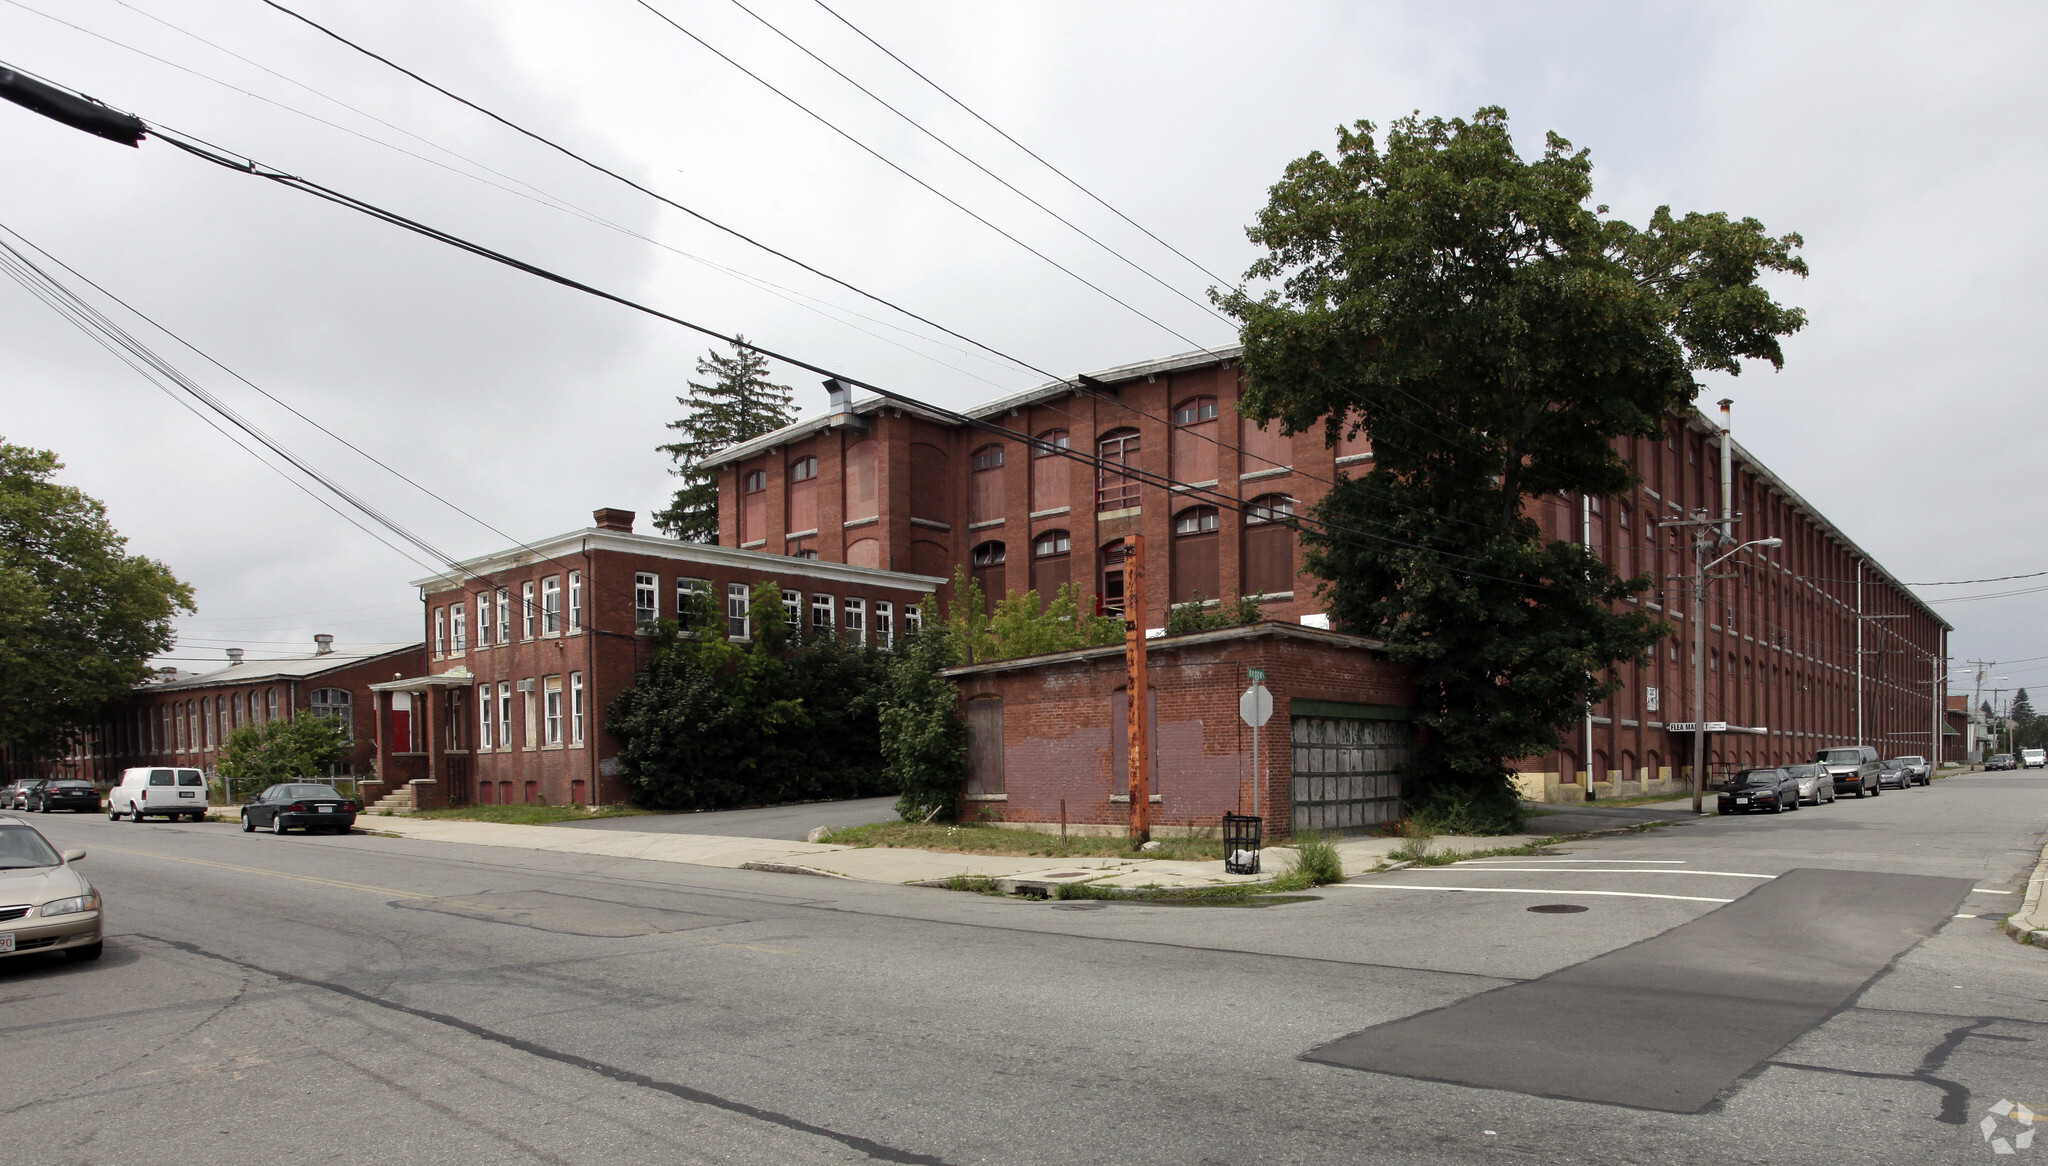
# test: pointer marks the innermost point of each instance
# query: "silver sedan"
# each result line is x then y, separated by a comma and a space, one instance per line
1815, 784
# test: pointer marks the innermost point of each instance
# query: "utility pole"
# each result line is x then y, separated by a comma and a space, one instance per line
1703, 541
1136, 722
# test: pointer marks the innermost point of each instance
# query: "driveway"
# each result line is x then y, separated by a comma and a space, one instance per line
790, 823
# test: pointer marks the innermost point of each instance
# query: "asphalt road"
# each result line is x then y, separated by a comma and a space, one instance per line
367, 1000
790, 823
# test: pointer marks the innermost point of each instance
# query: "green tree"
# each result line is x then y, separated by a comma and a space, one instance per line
1496, 336
1196, 616
1021, 623
79, 616
303, 748
2022, 708
924, 737
737, 404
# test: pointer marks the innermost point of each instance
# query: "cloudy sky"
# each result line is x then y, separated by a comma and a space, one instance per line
1903, 142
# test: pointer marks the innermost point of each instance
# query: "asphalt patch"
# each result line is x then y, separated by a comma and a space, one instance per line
565, 914
1672, 1023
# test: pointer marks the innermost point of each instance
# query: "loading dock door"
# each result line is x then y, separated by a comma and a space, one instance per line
1347, 770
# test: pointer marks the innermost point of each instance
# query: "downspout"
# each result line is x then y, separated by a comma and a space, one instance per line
590, 722
1727, 477
1586, 525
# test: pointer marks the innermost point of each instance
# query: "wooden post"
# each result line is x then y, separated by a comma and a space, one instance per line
1137, 720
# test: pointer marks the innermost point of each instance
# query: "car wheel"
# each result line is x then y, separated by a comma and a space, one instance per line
113, 815
277, 825
86, 954
135, 811
248, 826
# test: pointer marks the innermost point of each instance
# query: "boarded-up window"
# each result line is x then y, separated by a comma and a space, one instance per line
988, 562
1268, 545
985, 745
1265, 446
753, 505
1114, 491
1354, 441
932, 489
1050, 472
930, 558
1050, 554
985, 487
1120, 740
861, 478
1195, 565
866, 552
803, 495
1109, 588
1194, 440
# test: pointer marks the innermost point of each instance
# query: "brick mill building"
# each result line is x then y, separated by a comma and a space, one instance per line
528, 646
1807, 645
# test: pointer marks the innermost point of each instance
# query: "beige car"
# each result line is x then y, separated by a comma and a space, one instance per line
45, 903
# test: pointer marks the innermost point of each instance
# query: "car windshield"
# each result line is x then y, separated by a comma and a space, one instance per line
1841, 757
308, 791
1911, 760
1764, 777
22, 847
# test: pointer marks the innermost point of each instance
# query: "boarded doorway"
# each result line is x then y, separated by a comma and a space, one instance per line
1349, 761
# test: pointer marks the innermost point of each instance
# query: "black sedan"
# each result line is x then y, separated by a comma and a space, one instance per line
1760, 789
80, 797
309, 807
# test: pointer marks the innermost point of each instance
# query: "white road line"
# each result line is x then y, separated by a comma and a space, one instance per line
1989, 891
1528, 891
1726, 874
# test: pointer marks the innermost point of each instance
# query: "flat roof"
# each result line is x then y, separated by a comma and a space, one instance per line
661, 547
304, 667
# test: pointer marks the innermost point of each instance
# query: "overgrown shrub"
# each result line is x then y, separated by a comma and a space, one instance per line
923, 736
1315, 860
1195, 616
1446, 808
300, 749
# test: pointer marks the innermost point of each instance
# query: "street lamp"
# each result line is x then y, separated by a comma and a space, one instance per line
1699, 659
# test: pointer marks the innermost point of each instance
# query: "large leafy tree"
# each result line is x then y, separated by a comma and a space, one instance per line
302, 748
736, 403
79, 616
1495, 334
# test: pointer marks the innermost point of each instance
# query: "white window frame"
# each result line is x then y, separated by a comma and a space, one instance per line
526, 610
504, 714
646, 598
576, 708
687, 589
483, 619
885, 623
458, 629
440, 631
739, 618
551, 710
504, 616
821, 612
913, 619
551, 606
575, 603
856, 610
793, 611
484, 720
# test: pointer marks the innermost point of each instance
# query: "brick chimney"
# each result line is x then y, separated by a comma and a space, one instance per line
611, 518
323, 644
234, 656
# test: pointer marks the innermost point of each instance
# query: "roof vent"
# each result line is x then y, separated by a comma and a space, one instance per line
612, 518
166, 674
234, 656
323, 644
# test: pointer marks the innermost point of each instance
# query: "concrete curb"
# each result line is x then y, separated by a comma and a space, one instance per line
792, 868
2029, 924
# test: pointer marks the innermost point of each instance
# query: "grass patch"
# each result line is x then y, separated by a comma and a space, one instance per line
1234, 895
976, 884
967, 838
530, 815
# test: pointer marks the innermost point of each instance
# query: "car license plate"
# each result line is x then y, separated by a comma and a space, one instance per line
186, 793
6, 941
1741, 801
327, 809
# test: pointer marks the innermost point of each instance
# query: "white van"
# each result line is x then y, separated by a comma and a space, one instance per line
2033, 759
171, 793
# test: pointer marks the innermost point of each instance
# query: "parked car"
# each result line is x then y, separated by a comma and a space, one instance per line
2033, 758
1760, 789
1917, 766
1854, 768
80, 797
50, 906
17, 794
1816, 785
170, 793
2001, 761
313, 807
1894, 774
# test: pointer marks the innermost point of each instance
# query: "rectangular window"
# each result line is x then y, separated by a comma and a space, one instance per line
526, 610
504, 616
576, 707
575, 602
885, 623
689, 605
483, 619
484, 719
553, 707
913, 619
527, 707
737, 622
793, 611
551, 606
440, 632
821, 613
857, 619
504, 714
644, 599
458, 629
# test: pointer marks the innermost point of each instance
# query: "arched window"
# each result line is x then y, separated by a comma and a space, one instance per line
1195, 561
987, 561
1193, 450
1265, 447
336, 705
1268, 567
1115, 491
985, 485
753, 505
862, 500
803, 495
1049, 471
1050, 556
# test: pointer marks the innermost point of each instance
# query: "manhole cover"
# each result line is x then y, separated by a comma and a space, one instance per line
1095, 906
1557, 908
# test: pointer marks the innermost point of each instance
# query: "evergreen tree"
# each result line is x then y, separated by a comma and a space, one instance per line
2022, 708
737, 404
1496, 335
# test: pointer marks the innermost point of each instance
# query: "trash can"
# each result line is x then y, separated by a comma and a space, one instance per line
1241, 835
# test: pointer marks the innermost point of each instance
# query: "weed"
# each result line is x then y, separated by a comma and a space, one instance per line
1315, 859
977, 884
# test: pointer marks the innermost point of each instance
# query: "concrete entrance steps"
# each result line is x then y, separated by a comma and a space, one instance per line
398, 801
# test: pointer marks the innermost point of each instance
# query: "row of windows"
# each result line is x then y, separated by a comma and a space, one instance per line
494, 712
1266, 566
540, 605
739, 599
200, 724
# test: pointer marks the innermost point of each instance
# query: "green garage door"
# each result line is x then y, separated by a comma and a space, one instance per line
1348, 766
